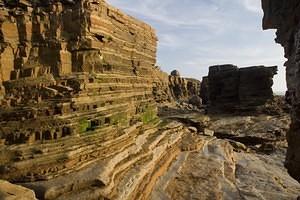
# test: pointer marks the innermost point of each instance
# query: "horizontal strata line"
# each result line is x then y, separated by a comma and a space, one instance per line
130, 21
129, 53
122, 31
110, 85
121, 151
71, 147
106, 108
109, 97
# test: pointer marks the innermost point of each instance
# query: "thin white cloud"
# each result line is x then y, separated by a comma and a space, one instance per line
253, 5
196, 34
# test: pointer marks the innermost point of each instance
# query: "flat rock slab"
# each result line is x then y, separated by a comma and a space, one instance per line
215, 171
10, 191
264, 177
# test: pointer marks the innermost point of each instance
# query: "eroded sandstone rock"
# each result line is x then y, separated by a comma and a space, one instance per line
79, 114
72, 71
79, 92
182, 89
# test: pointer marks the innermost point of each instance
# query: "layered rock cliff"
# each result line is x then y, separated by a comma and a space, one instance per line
284, 16
79, 92
72, 71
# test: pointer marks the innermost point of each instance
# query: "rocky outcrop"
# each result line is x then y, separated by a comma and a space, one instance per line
175, 73
284, 16
60, 38
182, 89
233, 88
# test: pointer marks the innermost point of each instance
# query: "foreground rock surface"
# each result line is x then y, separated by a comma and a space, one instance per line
284, 16
172, 160
10, 191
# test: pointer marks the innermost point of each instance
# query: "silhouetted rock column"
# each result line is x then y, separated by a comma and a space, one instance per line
229, 88
255, 85
223, 85
204, 90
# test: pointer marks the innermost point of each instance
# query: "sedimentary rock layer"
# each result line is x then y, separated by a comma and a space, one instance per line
84, 36
183, 88
75, 74
284, 16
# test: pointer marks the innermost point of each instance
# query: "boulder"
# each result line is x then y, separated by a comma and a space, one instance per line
175, 73
196, 101
208, 132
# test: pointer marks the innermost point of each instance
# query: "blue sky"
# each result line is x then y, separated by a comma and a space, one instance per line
195, 34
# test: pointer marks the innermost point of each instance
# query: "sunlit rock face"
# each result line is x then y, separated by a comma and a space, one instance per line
284, 16
79, 91
70, 71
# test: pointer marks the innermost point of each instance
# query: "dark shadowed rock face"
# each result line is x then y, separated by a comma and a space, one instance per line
229, 87
284, 16
223, 85
255, 85
204, 90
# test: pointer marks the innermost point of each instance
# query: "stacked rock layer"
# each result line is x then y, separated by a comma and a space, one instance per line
75, 74
228, 87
